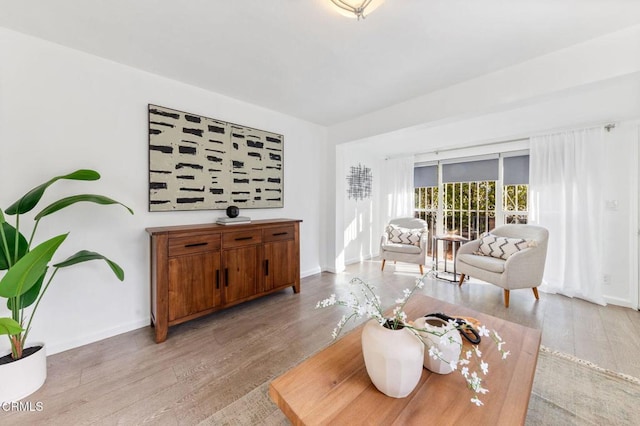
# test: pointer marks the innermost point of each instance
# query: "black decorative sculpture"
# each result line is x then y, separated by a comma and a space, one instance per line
233, 211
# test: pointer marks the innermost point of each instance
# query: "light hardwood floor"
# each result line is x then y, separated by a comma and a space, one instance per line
208, 363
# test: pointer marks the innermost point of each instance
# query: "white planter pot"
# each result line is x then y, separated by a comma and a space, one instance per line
19, 379
393, 358
449, 343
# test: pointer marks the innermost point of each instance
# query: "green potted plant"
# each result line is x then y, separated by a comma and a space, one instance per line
26, 273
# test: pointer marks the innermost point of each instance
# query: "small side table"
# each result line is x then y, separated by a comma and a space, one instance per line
456, 241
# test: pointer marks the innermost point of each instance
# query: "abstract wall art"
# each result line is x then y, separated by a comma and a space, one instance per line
359, 182
199, 163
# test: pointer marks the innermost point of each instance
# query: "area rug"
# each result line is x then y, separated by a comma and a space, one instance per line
566, 391
571, 391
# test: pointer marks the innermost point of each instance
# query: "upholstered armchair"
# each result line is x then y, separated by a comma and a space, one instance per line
510, 256
405, 240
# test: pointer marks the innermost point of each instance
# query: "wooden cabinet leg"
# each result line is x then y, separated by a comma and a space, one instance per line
506, 298
383, 261
535, 292
461, 280
421, 270
161, 332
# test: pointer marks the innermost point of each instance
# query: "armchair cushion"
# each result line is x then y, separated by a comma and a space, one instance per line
402, 248
486, 263
501, 247
400, 235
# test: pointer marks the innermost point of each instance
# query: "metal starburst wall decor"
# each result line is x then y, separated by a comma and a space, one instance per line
359, 182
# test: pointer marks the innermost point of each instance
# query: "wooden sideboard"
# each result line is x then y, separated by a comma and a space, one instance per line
200, 269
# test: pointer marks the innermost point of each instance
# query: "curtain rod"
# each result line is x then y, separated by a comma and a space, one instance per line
457, 148
479, 145
608, 127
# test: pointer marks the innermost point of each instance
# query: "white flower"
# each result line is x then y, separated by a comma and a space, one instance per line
465, 371
483, 331
478, 353
484, 367
474, 381
505, 354
330, 301
476, 401
469, 354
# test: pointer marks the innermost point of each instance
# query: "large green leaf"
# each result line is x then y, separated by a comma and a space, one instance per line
85, 256
10, 235
28, 270
31, 198
65, 202
30, 296
9, 326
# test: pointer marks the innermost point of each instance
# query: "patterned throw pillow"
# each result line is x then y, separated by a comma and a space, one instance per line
501, 247
399, 235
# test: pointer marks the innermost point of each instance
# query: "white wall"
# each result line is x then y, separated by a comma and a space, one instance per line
620, 251
61, 110
360, 237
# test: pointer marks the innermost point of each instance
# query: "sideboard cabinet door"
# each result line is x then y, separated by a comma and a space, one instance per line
240, 266
192, 284
279, 261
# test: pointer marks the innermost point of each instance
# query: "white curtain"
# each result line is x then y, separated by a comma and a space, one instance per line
566, 195
396, 184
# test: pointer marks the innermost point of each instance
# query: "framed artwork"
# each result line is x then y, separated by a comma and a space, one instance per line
199, 163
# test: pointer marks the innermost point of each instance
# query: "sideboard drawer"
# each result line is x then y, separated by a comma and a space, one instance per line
278, 234
196, 244
241, 238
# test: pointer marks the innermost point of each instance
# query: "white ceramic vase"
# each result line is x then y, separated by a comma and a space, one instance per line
448, 342
21, 378
393, 358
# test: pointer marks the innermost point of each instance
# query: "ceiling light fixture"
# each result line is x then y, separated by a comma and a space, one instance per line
358, 11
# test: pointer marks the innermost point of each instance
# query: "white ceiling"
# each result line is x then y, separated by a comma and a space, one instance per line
302, 58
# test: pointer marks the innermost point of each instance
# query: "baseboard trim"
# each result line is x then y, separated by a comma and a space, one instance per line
310, 272
620, 302
56, 347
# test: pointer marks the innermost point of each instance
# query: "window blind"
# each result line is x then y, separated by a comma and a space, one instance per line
516, 170
470, 171
425, 176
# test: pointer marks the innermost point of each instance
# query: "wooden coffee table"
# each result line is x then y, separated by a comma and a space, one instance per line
332, 387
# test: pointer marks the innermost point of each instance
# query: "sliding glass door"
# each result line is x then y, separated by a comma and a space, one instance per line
468, 197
